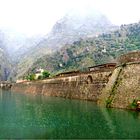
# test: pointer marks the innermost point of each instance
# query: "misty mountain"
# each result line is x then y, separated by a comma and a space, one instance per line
92, 51
26, 48
16, 44
4, 64
2, 42
70, 28
74, 26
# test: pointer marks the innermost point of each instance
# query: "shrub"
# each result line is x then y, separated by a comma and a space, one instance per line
30, 77
40, 77
108, 102
133, 105
45, 74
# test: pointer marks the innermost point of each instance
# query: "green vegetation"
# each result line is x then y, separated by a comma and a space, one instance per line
108, 102
40, 77
30, 77
133, 105
45, 74
91, 51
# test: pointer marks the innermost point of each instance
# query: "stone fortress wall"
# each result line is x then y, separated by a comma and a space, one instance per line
107, 84
82, 86
74, 85
123, 87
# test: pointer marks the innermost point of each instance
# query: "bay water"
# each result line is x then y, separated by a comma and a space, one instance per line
36, 116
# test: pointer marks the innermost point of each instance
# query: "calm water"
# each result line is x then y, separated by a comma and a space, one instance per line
28, 116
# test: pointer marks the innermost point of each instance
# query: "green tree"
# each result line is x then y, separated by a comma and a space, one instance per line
40, 77
45, 74
30, 77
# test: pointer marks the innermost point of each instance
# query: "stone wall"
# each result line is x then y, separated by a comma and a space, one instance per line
123, 87
119, 88
87, 86
5, 85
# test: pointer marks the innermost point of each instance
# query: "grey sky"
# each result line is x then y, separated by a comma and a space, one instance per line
38, 16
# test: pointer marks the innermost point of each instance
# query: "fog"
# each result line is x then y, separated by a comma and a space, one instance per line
21, 19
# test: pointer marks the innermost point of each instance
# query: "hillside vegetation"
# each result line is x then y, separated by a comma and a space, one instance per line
91, 51
67, 30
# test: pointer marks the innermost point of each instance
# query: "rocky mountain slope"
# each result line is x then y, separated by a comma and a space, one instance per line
67, 30
90, 51
72, 44
74, 26
5, 65
27, 47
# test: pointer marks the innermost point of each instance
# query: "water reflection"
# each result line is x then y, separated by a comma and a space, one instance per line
28, 116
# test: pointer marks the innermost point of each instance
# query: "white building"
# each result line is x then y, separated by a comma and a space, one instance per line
38, 73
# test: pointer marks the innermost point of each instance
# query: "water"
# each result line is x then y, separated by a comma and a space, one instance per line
28, 116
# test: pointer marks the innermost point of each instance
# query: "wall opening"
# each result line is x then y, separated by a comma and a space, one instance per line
89, 79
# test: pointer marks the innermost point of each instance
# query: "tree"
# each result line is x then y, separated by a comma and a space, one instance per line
31, 77
45, 74
40, 77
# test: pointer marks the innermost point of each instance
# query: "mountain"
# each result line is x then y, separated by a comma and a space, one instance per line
70, 28
91, 51
5, 65
74, 26
26, 47
75, 42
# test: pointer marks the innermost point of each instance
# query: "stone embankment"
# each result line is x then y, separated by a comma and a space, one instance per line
5, 85
118, 87
81, 86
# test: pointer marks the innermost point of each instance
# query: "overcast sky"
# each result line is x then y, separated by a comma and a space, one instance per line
38, 16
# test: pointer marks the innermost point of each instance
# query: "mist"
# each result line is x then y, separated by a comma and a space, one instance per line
38, 17
21, 20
